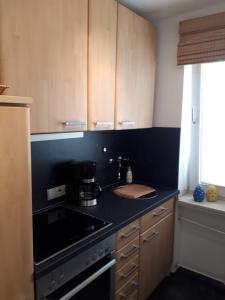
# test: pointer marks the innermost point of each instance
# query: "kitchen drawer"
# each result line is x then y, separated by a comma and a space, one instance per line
126, 253
126, 272
127, 234
128, 291
156, 215
133, 296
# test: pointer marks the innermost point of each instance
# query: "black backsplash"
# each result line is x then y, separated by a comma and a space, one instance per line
153, 153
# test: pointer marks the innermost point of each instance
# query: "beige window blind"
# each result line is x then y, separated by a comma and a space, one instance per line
202, 40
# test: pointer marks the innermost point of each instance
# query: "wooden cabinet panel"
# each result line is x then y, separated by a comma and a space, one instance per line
43, 54
16, 249
156, 215
102, 63
127, 234
156, 248
126, 253
135, 71
126, 272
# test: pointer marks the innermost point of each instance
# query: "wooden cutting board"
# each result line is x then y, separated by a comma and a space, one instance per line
133, 191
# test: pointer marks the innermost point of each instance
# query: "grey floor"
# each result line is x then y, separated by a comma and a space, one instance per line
186, 285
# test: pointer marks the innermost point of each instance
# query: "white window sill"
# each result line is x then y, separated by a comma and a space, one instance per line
187, 200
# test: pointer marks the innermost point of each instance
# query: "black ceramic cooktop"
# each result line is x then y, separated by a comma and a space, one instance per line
56, 229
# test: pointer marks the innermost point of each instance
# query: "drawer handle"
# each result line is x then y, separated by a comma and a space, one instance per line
160, 212
151, 236
134, 229
74, 123
133, 269
130, 252
132, 288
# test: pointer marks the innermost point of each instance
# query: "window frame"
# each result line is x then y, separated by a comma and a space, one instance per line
194, 166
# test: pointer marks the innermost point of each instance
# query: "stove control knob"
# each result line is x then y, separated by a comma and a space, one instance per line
94, 257
107, 250
101, 252
52, 284
61, 277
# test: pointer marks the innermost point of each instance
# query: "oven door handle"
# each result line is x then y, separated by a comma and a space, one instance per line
87, 281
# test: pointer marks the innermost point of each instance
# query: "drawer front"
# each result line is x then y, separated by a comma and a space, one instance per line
126, 253
133, 296
128, 291
156, 215
152, 233
127, 234
127, 272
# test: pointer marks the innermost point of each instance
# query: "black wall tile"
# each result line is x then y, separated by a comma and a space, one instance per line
153, 156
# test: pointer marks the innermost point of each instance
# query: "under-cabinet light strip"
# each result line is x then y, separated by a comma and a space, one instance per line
56, 136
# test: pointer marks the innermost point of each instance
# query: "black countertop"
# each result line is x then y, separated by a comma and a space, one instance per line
113, 209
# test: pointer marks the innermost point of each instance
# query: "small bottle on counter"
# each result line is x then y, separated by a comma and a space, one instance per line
129, 175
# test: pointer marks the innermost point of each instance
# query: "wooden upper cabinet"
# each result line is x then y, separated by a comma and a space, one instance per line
43, 54
89, 61
135, 71
102, 63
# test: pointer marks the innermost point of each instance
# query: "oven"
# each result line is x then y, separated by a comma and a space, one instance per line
89, 275
95, 283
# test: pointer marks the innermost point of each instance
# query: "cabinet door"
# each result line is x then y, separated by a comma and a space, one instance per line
16, 249
156, 248
43, 54
135, 71
102, 63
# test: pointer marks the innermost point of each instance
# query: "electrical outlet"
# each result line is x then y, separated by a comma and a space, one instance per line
56, 192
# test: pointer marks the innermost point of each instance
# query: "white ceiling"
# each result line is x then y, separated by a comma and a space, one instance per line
159, 9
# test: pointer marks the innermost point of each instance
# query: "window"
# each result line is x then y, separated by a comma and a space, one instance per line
212, 124
204, 114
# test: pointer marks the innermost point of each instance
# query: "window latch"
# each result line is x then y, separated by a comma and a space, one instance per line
193, 116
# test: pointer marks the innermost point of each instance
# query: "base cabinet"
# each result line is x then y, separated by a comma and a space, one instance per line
156, 247
144, 250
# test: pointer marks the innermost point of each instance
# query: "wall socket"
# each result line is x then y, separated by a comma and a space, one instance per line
56, 192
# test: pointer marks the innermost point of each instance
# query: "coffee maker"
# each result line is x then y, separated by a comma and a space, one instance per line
85, 189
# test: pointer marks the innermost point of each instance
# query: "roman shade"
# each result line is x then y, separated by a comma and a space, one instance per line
202, 40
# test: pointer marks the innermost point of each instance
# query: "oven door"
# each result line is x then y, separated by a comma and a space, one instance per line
96, 282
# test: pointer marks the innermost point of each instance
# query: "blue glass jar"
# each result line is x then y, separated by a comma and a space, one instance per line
199, 194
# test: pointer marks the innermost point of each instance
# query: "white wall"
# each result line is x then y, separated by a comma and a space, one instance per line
169, 76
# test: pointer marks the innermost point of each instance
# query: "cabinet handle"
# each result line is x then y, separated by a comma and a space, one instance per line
133, 269
151, 236
132, 288
134, 229
127, 123
74, 123
130, 252
160, 212
103, 124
